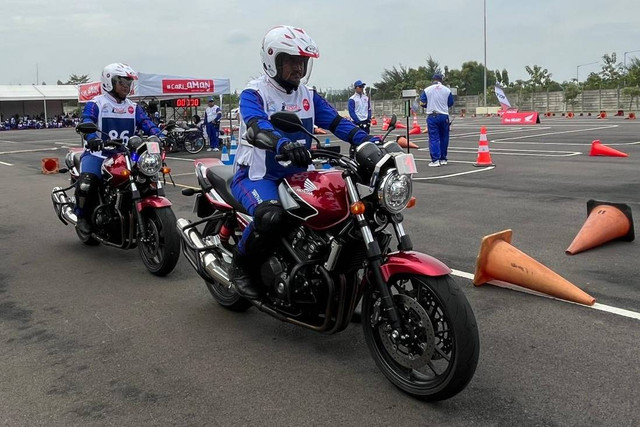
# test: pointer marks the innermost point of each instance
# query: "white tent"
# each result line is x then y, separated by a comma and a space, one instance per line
161, 87
10, 94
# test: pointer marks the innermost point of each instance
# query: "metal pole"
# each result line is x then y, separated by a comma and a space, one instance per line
485, 52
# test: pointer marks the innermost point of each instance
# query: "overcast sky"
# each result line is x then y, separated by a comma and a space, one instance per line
50, 40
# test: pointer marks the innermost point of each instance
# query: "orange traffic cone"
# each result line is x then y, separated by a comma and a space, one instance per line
415, 121
385, 125
484, 157
50, 165
374, 122
415, 130
597, 149
402, 142
499, 260
400, 126
605, 222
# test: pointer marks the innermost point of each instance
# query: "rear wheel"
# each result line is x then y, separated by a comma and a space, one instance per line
436, 353
194, 144
224, 295
161, 249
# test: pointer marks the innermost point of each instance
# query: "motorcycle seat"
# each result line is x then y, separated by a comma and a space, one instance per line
221, 177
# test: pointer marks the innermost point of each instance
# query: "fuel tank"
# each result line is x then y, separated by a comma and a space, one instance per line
319, 198
113, 170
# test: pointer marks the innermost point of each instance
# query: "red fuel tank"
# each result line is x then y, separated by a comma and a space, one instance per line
322, 198
112, 170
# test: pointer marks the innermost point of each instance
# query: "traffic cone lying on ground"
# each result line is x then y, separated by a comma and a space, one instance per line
605, 222
597, 149
499, 260
484, 156
402, 142
50, 165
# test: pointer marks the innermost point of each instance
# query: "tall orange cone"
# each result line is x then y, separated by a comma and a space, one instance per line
50, 165
499, 260
605, 222
484, 157
597, 149
415, 121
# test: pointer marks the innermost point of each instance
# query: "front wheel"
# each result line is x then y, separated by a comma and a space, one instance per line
161, 248
436, 353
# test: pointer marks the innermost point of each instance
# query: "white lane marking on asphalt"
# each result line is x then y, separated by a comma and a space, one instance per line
515, 152
180, 158
29, 151
6, 164
555, 133
452, 174
596, 306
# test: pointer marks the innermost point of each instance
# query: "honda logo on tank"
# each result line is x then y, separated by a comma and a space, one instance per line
187, 85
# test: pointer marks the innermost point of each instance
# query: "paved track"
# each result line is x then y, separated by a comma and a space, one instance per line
87, 337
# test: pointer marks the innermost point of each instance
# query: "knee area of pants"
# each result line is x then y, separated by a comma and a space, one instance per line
270, 218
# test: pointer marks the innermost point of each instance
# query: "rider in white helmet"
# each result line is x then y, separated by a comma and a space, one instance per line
116, 117
287, 60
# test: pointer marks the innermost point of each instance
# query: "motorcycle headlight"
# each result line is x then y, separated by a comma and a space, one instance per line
395, 191
149, 163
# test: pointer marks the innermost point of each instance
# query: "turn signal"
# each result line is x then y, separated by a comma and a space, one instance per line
412, 202
125, 172
165, 170
357, 208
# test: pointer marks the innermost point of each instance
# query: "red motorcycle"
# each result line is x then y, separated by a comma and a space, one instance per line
132, 210
417, 323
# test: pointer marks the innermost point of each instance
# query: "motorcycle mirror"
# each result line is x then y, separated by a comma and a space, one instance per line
86, 128
392, 122
188, 192
286, 121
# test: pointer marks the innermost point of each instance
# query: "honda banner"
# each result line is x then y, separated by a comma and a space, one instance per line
520, 118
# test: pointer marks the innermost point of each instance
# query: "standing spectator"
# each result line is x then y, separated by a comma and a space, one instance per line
437, 99
360, 107
212, 116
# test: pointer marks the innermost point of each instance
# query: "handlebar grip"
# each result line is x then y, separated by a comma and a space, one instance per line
281, 158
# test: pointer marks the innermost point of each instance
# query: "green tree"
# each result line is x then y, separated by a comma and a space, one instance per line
76, 80
612, 72
570, 94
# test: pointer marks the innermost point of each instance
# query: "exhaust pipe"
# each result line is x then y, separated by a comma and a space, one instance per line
63, 206
193, 244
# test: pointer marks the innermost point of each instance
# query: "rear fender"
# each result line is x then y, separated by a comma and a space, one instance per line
152, 202
413, 263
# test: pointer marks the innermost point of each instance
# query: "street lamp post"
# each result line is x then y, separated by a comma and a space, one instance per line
625, 56
578, 69
485, 52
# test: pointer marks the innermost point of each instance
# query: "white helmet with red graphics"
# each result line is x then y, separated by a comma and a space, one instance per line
112, 72
288, 40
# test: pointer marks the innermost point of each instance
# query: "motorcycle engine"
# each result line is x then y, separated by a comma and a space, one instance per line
292, 283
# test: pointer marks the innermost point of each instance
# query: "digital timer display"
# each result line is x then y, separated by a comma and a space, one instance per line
188, 102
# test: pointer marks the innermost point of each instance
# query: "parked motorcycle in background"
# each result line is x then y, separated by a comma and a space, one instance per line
180, 138
417, 323
132, 210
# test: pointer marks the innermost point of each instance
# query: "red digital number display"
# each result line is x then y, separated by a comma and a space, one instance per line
187, 102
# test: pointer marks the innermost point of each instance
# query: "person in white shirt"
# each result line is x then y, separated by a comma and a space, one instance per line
437, 99
212, 116
360, 107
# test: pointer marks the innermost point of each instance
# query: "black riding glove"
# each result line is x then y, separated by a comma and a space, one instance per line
296, 152
94, 144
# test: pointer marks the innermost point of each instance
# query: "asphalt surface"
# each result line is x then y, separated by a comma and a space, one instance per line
88, 337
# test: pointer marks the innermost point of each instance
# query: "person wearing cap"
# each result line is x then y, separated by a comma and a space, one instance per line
360, 107
212, 116
437, 99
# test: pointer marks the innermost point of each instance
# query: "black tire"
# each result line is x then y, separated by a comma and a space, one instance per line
160, 254
194, 144
225, 296
450, 356
87, 239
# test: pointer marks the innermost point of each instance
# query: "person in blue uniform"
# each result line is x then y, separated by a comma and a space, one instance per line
360, 107
437, 99
287, 60
212, 116
116, 117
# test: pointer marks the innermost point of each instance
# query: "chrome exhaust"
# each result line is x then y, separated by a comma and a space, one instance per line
63, 206
192, 248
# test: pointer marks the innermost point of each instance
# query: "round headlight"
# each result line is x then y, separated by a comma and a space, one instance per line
395, 191
149, 163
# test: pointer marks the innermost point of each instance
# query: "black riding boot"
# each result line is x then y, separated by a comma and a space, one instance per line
86, 189
241, 278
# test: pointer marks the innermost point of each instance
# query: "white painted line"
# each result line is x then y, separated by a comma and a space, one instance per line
181, 159
596, 306
453, 174
29, 151
558, 133
6, 164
